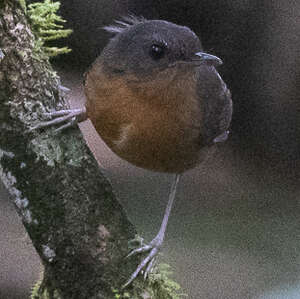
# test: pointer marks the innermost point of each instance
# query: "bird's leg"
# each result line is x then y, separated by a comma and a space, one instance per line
154, 246
66, 118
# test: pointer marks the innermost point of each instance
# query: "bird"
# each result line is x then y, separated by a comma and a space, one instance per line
156, 99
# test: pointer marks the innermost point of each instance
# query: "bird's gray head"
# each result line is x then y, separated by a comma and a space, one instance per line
143, 46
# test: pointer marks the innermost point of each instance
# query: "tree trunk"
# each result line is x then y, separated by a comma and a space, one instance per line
76, 224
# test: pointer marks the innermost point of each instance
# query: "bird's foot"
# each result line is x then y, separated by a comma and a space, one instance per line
64, 118
147, 264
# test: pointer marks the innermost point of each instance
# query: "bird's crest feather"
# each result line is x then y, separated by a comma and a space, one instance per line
124, 23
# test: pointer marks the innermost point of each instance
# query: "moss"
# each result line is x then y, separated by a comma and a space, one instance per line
23, 5
159, 285
47, 26
163, 286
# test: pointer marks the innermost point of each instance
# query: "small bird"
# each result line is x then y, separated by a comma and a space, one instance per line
157, 101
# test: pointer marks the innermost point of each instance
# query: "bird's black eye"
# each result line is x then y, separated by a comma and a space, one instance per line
157, 51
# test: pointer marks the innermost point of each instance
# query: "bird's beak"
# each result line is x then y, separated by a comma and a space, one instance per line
198, 59
207, 58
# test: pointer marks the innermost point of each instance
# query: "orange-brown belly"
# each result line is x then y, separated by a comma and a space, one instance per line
154, 140
149, 128
156, 148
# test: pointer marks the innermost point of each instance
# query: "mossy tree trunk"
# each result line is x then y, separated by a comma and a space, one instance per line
76, 224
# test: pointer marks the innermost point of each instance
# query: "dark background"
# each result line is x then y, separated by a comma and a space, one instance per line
234, 231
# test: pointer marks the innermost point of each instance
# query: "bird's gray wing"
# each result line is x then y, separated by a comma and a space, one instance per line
216, 104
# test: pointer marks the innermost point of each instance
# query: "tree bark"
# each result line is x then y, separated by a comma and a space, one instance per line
76, 224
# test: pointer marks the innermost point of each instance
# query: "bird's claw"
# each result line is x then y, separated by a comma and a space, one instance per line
148, 261
144, 248
150, 267
69, 117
